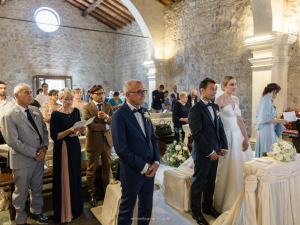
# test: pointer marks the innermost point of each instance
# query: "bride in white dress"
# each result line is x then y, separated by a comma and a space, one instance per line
229, 181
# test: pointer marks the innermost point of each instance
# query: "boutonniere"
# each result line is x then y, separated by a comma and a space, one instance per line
35, 114
218, 114
147, 116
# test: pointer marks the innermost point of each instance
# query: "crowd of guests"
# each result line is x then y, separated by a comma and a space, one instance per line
117, 123
178, 103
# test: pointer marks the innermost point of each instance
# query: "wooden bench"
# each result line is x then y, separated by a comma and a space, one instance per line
162, 142
7, 181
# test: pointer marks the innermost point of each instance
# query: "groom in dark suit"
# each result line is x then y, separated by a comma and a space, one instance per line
136, 145
209, 141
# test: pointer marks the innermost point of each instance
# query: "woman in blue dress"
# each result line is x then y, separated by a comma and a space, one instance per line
167, 102
115, 101
268, 127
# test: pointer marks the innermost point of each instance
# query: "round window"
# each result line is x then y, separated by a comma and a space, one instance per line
47, 19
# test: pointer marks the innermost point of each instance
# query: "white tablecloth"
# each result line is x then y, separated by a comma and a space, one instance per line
111, 204
270, 195
49, 155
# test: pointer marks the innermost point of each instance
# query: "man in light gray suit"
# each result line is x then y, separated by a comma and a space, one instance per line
25, 132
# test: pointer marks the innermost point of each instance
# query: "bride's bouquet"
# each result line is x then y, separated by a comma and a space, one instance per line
284, 151
176, 153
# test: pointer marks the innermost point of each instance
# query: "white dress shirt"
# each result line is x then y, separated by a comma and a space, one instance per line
96, 103
193, 102
42, 98
22, 109
212, 113
6, 105
140, 120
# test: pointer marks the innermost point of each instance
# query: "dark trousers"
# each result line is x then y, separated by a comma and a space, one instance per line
129, 195
203, 181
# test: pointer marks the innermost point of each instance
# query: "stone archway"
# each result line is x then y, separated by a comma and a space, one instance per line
150, 18
269, 46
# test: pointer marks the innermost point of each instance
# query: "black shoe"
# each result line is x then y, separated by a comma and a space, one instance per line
200, 219
40, 217
93, 202
212, 211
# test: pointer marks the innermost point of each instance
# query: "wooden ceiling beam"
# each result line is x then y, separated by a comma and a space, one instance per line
2, 2
119, 11
95, 15
103, 14
119, 6
91, 7
111, 13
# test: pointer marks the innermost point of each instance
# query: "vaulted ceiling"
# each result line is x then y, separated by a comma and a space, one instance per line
112, 13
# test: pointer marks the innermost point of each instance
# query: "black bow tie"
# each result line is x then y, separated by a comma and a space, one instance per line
209, 104
137, 110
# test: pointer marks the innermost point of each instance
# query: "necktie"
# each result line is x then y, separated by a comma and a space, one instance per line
137, 110
33, 124
99, 106
209, 104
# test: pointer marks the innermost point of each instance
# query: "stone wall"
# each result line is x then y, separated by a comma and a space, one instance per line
25, 50
292, 18
203, 38
130, 53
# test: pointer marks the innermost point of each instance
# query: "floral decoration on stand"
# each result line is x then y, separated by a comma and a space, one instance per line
284, 151
176, 153
114, 157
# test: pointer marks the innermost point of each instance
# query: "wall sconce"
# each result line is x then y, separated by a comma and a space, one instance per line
293, 29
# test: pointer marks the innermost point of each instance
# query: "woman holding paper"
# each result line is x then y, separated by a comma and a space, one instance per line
67, 191
268, 127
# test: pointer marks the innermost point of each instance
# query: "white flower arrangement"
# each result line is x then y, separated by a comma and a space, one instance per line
147, 116
284, 151
176, 153
35, 114
218, 114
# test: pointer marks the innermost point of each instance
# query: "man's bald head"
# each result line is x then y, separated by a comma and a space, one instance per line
193, 94
130, 85
23, 95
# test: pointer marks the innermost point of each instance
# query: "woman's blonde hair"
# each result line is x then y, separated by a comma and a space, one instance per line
77, 90
226, 79
182, 94
65, 91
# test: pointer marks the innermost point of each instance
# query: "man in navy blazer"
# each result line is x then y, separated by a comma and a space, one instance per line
209, 141
136, 145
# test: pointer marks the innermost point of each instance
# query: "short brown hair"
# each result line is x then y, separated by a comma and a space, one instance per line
2, 82
161, 86
116, 93
205, 81
53, 92
96, 88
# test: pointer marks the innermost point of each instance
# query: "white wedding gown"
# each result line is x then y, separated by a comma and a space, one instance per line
229, 180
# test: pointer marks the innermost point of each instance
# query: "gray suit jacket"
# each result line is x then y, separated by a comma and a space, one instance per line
21, 137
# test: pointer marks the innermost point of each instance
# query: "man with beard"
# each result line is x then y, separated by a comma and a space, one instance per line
98, 139
6, 103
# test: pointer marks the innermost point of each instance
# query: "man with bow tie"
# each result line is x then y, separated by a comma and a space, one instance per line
209, 141
136, 145
25, 132
98, 139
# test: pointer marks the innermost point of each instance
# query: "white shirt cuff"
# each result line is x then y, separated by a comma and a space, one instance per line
156, 162
145, 169
211, 153
107, 126
226, 150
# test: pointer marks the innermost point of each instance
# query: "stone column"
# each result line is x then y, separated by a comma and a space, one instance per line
157, 70
269, 65
150, 65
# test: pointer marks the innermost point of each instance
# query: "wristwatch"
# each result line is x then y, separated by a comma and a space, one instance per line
106, 118
45, 146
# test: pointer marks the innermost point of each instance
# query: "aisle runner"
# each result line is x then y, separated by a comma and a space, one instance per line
166, 215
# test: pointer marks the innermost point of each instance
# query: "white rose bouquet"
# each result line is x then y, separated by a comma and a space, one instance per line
176, 153
284, 151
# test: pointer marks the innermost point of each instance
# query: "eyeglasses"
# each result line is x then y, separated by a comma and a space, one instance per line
140, 92
98, 94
